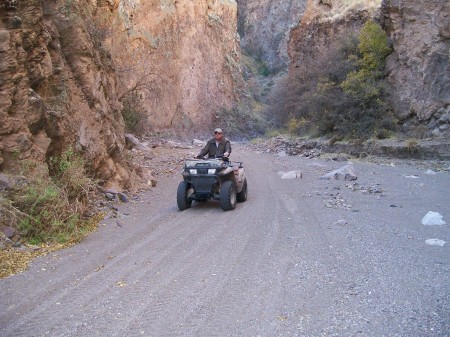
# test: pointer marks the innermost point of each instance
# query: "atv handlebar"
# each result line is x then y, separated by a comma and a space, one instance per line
216, 157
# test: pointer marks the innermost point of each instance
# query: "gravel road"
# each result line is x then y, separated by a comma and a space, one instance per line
302, 257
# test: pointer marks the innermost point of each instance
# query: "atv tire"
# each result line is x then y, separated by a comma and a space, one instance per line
228, 196
242, 195
182, 196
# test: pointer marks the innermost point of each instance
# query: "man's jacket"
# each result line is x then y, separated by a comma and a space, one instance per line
216, 151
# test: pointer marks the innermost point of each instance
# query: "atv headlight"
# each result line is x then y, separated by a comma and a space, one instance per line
193, 171
211, 171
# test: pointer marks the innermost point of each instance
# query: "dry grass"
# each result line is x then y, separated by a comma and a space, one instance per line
48, 208
13, 261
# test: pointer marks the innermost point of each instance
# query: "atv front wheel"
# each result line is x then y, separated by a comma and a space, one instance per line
182, 196
242, 195
228, 196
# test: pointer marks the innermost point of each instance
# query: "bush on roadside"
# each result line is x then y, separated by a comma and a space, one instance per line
49, 207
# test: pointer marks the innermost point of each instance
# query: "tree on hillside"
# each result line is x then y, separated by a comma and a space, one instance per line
342, 93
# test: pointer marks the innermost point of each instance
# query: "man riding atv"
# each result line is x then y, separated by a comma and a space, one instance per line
214, 178
217, 147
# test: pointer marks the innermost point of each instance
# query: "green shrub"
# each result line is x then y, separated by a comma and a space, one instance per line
342, 92
264, 69
49, 207
374, 47
298, 125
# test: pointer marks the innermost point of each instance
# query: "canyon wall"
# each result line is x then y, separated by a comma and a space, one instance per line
57, 90
264, 26
187, 52
419, 67
321, 24
65, 67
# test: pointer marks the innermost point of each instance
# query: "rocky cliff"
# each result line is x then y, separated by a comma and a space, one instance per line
321, 24
57, 90
418, 68
264, 27
187, 53
66, 65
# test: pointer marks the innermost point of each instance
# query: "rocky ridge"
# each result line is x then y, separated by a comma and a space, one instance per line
57, 91
343, 150
418, 67
187, 52
66, 66
264, 26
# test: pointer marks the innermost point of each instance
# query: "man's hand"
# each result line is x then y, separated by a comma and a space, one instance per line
226, 154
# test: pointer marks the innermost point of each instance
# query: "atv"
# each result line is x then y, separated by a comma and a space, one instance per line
216, 178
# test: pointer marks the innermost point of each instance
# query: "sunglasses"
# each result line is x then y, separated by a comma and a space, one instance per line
217, 133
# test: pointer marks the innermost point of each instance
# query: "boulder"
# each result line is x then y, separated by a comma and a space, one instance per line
346, 173
435, 242
5, 242
110, 195
122, 197
290, 174
133, 142
9, 232
433, 219
175, 145
5, 182
340, 158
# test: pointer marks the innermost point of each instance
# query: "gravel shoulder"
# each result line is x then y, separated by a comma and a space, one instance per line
302, 257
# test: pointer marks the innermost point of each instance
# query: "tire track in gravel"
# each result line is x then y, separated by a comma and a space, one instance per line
236, 244
49, 290
233, 298
91, 286
87, 292
275, 266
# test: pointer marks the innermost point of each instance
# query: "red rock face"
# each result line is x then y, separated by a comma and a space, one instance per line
57, 91
65, 65
190, 51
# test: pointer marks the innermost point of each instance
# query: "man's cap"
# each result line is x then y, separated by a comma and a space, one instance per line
218, 130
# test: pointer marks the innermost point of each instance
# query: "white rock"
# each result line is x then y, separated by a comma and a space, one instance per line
346, 172
431, 172
433, 219
282, 154
435, 242
290, 174
412, 177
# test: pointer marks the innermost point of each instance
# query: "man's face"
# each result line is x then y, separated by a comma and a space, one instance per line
218, 136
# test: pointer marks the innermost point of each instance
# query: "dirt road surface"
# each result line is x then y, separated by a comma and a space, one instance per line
302, 257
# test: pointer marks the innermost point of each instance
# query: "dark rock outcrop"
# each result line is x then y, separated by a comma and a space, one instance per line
419, 67
264, 26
